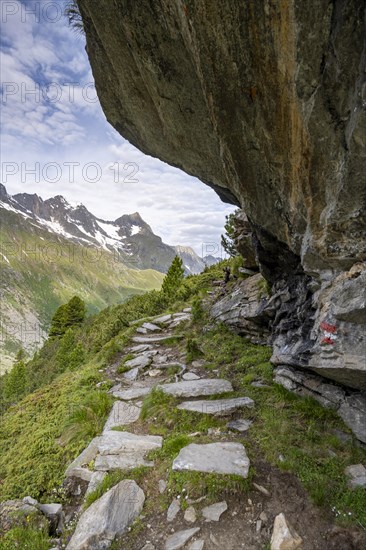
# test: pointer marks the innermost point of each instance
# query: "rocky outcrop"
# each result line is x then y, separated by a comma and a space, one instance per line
266, 103
245, 309
349, 404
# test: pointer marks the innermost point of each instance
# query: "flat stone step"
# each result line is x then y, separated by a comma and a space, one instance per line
162, 319
122, 414
217, 407
140, 361
124, 450
152, 339
140, 348
219, 458
131, 374
151, 327
132, 393
194, 388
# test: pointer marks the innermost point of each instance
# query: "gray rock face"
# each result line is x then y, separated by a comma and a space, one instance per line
220, 458
264, 141
204, 386
108, 517
122, 414
217, 407
215, 511
179, 539
349, 404
244, 309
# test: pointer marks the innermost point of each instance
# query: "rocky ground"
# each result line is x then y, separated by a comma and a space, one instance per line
248, 503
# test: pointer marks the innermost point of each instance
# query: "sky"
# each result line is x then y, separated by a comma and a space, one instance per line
56, 141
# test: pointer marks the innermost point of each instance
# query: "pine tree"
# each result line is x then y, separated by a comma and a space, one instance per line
227, 240
16, 381
66, 316
173, 278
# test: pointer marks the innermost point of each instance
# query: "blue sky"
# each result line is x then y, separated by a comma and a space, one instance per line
55, 138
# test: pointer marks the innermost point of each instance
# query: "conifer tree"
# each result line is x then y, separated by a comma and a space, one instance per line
173, 278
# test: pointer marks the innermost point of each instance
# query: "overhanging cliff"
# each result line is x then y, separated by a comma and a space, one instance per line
265, 102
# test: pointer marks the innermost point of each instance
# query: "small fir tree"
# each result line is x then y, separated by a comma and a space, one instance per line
173, 278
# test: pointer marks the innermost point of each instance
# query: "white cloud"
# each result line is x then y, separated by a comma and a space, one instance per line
73, 129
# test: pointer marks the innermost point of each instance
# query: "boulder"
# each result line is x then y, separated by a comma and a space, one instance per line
95, 481
108, 517
219, 458
283, 536
132, 393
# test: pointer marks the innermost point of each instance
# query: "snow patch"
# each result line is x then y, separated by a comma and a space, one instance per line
135, 229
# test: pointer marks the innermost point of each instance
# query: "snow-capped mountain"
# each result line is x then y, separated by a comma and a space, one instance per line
129, 237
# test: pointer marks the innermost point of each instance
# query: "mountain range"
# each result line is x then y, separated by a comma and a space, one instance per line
52, 249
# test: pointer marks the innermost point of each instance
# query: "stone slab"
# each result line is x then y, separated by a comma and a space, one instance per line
194, 388
217, 407
220, 458
122, 414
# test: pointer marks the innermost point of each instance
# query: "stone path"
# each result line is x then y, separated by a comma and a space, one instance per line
114, 449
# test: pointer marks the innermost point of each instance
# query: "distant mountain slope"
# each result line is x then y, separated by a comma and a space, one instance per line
51, 250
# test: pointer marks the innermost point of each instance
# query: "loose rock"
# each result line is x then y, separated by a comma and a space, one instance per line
178, 540
173, 510
190, 515
197, 545
215, 511
283, 536
240, 425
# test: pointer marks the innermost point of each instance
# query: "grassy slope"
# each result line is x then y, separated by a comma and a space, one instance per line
45, 271
293, 433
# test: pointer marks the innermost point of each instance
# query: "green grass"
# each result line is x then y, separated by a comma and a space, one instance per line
25, 538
